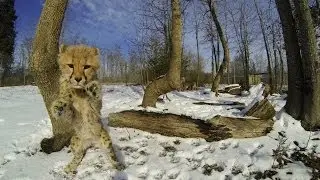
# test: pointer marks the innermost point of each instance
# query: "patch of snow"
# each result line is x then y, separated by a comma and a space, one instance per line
245, 93
23, 124
145, 155
8, 157
2, 173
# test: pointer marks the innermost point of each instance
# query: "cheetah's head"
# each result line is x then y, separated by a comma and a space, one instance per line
78, 64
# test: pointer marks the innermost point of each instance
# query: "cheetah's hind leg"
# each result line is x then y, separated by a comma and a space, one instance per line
78, 151
106, 144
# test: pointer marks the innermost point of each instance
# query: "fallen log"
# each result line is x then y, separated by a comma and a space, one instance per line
244, 127
232, 89
228, 88
235, 91
262, 110
215, 129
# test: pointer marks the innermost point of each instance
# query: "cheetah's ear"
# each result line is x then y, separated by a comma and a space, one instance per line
62, 48
96, 51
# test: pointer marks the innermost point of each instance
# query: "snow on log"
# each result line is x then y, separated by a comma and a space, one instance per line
231, 89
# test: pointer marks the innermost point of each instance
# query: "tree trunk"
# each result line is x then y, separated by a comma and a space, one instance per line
126, 76
45, 68
295, 78
276, 64
310, 65
142, 74
226, 55
215, 129
218, 55
246, 63
281, 68
171, 80
234, 72
265, 40
3, 76
213, 58
198, 54
245, 44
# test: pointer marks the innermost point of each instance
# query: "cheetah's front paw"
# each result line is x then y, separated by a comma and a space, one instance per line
69, 169
93, 89
59, 108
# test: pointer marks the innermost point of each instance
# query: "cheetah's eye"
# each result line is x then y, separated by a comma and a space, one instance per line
70, 65
86, 66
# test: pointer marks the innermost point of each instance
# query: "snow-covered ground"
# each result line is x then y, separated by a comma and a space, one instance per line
24, 122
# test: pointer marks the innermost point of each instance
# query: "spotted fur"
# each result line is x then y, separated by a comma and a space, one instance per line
79, 102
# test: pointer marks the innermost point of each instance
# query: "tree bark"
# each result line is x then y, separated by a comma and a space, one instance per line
226, 55
45, 68
295, 78
310, 64
171, 80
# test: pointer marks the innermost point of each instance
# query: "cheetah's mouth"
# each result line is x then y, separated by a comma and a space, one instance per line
78, 87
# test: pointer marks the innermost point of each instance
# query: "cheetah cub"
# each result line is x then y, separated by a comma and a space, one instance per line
80, 102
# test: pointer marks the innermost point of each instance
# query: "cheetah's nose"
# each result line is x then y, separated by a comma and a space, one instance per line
78, 79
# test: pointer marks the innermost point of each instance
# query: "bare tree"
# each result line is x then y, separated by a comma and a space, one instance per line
25, 56
241, 19
277, 42
266, 45
212, 37
171, 80
275, 57
45, 68
197, 28
279, 48
226, 56
244, 37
